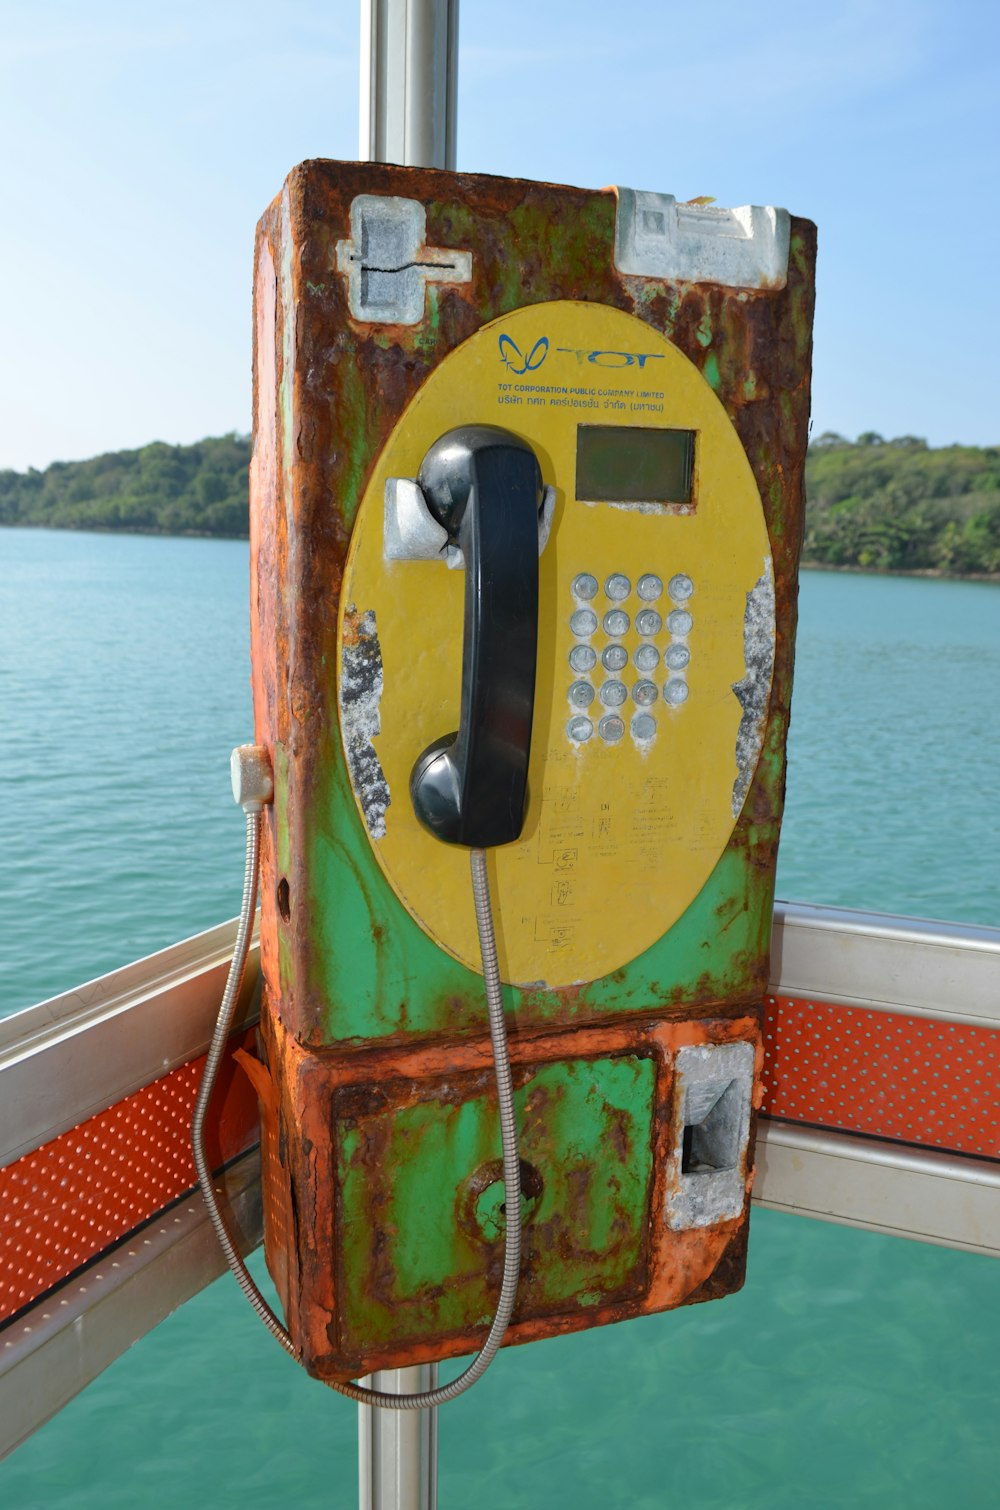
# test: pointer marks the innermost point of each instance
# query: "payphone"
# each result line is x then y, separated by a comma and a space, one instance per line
526, 506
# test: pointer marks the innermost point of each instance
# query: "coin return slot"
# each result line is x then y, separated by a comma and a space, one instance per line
711, 1134
713, 1115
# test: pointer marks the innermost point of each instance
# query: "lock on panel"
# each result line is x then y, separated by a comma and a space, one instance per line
655, 641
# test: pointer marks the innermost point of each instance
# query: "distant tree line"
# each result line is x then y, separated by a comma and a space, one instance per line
170, 490
888, 505
897, 505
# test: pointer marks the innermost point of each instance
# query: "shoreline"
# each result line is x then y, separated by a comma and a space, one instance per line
932, 572
98, 529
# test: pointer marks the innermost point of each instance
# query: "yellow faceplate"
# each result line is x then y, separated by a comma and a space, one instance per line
620, 835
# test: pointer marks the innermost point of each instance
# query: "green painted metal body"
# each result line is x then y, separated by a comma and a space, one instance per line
717, 953
585, 1241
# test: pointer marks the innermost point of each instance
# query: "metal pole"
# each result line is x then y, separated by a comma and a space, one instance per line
409, 96
409, 82
397, 1449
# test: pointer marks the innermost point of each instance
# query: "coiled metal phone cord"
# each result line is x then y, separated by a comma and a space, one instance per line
223, 1024
508, 1131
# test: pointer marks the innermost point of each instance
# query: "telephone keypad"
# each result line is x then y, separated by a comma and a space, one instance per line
580, 729
616, 621
614, 657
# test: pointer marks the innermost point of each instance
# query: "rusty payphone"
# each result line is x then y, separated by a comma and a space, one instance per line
526, 511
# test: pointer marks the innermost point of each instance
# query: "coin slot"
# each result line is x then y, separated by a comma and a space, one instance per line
713, 1117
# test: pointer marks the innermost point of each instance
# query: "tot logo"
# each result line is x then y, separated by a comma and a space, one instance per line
612, 358
513, 357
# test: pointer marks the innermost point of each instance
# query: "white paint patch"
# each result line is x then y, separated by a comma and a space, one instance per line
641, 506
754, 689
360, 695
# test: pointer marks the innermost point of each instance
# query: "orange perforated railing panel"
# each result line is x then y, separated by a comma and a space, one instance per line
71, 1199
883, 1073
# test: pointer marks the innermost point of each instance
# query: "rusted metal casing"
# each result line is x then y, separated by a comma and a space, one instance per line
636, 1084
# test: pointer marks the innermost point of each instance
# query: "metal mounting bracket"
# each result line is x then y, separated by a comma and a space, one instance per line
655, 237
387, 263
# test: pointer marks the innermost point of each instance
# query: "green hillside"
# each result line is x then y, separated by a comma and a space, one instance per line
160, 489
898, 505
885, 505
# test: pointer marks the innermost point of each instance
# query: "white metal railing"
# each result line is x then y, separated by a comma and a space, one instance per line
948, 971
64, 1342
72, 1057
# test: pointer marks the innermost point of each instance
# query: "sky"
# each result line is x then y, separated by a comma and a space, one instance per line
142, 142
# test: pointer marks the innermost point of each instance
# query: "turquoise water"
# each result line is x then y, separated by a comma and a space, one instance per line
125, 680
853, 1369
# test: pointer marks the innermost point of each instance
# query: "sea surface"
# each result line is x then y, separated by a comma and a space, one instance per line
852, 1370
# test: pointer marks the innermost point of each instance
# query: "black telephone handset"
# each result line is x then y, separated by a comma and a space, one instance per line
484, 486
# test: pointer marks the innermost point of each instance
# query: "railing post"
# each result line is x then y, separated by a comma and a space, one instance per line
409, 97
397, 1449
409, 82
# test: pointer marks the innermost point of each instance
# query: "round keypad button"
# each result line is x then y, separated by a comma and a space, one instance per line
644, 694
579, 729
584, 621
617, 587
616, 621
648, 621
681, 587
646, 658
581, 694
679, 621
677, 657
582, 658
611, 728
615, 658
649, 587
643, 726
613, 694
675, 692
585, 586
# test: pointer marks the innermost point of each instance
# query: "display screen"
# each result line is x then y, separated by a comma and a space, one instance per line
633, 464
